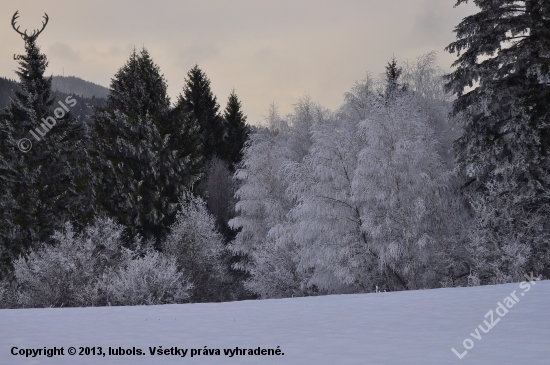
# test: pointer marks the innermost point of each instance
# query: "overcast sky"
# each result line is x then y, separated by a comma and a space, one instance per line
269, 51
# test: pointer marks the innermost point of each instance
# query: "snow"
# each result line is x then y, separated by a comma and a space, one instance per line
413, 327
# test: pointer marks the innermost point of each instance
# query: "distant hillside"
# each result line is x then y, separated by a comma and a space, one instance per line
77, 86
82, 109
7, 87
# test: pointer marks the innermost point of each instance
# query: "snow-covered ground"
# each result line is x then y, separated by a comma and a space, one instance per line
415, 327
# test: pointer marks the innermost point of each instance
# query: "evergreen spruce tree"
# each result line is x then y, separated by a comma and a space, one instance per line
146, 152
219, 185
199, 100
43, 175
237, 130
502, 81
393, 73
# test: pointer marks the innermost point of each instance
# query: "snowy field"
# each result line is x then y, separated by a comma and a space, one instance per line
415, 327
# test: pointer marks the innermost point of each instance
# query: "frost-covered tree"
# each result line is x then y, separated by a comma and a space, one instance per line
148, 280
327, 216
403, 181
199, 249
262, 201
425, 78
358, 100
268, 253
372, 180
145, 152
502, 84
45, 179
347, 201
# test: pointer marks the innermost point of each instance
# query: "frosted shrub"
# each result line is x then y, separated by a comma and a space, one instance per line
198, 248
152, 279
8, 294
65, 274
277, 272
473, 279
52, 277
506, 243
3, 295
92, 268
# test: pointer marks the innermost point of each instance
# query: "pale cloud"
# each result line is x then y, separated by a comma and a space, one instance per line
436, 21
196, 53
63, 52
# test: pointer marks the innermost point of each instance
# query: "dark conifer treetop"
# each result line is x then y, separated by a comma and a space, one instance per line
148, 96
237, 130
35, 101
393, 73
199, 100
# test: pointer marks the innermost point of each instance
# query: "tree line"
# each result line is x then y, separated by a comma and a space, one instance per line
138, 161
421, 179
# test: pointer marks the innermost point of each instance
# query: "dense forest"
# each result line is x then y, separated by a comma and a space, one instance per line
77, 86
422, 178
